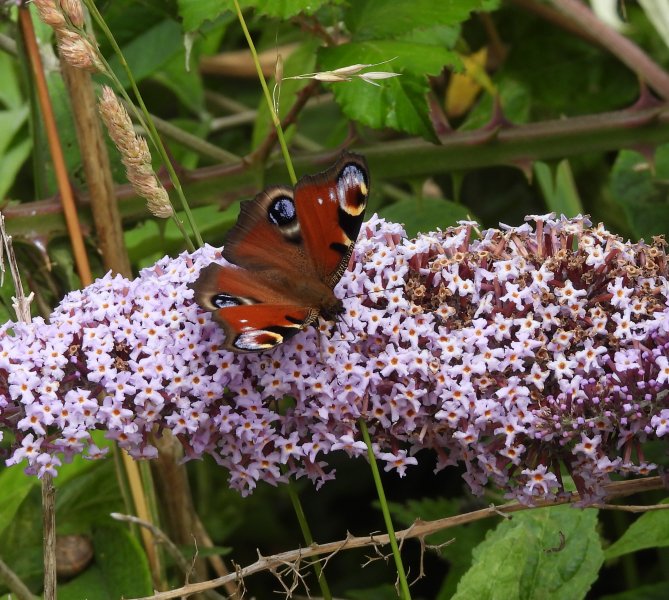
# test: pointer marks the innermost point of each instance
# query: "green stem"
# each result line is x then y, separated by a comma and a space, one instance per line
268, 96
404, 586
306, 534
148, 125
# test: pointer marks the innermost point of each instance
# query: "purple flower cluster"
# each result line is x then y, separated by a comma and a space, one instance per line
517, 354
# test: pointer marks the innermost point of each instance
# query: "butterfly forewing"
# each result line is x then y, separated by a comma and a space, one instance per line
333, 204
267, 234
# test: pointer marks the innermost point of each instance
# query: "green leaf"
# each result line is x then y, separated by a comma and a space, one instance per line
149, 51
650, 530
522, 557
11, 163
284, 9
10, 122
195, 12
122, 562
438, 35
184, 84
10, 87
14, 487
559, 188
642, 194
368, 19
515, 100
400, 102
123, 568
425, 214
89, 585
87, 498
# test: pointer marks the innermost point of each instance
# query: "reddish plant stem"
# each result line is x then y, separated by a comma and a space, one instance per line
620, 46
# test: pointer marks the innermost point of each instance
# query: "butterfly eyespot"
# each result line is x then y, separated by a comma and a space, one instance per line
224, 301
282, 211
352, 189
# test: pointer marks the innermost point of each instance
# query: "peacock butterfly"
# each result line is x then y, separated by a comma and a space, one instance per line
288, 250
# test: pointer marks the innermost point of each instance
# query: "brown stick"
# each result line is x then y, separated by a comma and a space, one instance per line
67, 196
97, 170
49, 533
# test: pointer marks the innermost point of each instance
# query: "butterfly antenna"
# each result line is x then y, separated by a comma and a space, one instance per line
369, 293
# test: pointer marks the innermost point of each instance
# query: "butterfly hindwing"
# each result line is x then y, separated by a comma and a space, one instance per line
259, 327
253, 315
331, 208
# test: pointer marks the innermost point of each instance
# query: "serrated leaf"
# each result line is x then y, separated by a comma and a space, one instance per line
426, 214
523, 557
195, 12
376, 19
650, 530
399, 103
284, 9
14, 487
124, 567
642, 194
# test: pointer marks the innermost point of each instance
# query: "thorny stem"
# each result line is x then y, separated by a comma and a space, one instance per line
404, 586
419, 530
546, 140
148, 124
623, 48
268, 96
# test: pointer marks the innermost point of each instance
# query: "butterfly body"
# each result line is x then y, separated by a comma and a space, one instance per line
287, 251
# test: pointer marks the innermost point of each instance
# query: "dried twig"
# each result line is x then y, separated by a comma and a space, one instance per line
419, 529
171, 548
